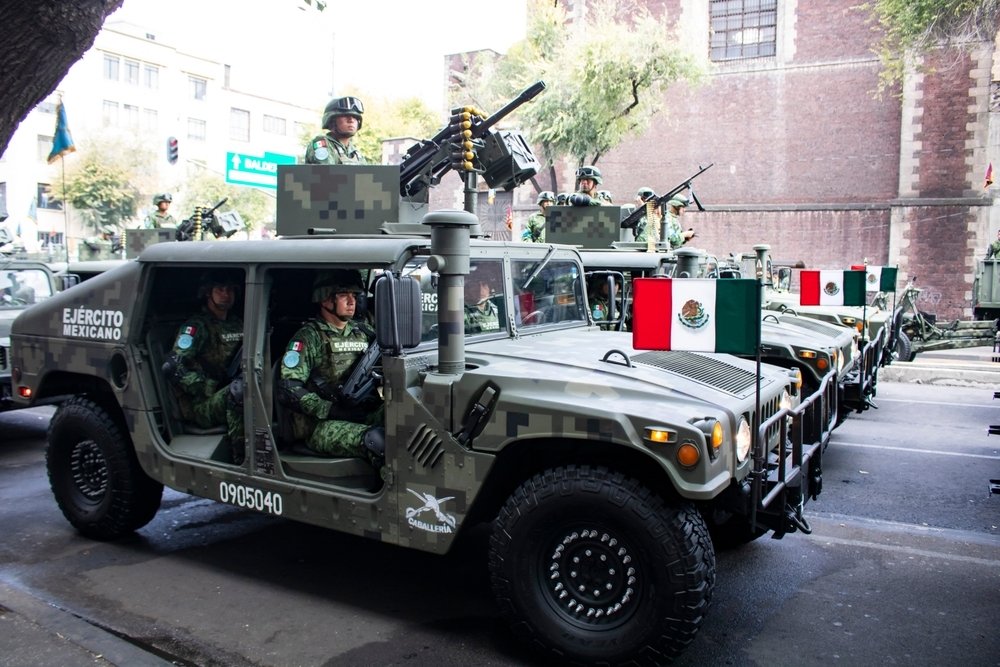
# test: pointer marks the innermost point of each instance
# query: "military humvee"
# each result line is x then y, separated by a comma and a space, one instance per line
23, 283
599, 466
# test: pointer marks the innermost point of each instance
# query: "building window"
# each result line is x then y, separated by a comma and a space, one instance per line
111, 67
151, 77
50, 238
743, 29
3, 199
150, 119
274, 125
132, 72
197, 129
239, 124
199, 88
131, 113
46, 107
44, 147
109, 114
46, 199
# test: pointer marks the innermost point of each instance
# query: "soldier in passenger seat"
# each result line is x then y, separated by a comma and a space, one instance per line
318, 359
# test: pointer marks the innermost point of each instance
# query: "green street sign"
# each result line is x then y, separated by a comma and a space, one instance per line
261, 172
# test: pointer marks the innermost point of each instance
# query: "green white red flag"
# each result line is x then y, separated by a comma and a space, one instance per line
879, 278
832, 288
696, 315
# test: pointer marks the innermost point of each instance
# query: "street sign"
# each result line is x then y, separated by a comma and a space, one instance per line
255, 170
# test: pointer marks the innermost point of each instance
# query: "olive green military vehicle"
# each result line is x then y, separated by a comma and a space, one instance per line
600, 467
23, 283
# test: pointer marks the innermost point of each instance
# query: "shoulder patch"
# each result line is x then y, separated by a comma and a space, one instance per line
184, 341
291, 359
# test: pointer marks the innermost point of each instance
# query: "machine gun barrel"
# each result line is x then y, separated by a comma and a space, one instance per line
211, 211
633, 218
427, 161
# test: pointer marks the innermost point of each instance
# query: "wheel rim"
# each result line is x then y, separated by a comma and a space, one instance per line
89, 469
592, 579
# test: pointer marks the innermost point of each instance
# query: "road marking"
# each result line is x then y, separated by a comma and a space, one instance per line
839, 443
880, 399
899, 549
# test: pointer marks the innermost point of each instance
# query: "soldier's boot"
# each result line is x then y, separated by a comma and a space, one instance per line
373, 446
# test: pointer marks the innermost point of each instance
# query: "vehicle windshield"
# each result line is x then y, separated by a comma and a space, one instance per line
23, 287
542, 296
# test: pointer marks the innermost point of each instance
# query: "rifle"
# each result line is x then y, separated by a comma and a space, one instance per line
468, 143
633, 218
363, 377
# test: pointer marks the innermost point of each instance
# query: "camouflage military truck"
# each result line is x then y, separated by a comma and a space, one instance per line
599, 466
22, 284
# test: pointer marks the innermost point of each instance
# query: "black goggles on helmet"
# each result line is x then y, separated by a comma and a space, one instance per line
350, 104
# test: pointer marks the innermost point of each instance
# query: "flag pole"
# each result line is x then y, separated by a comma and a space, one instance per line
62, 161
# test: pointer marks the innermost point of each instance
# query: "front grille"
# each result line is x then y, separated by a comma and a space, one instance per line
707, 369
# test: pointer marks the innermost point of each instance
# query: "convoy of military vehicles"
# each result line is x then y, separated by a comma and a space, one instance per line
609, 474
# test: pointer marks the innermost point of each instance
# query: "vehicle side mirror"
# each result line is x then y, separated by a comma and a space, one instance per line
69, 280
397, 312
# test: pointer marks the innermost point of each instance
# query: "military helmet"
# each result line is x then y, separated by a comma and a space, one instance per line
212, 278
679, 201
166, 196
545, 195
329, 283
645, 193
343, 106
592, 173
562, 199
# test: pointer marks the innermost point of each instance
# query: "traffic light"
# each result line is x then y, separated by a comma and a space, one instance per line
172, 150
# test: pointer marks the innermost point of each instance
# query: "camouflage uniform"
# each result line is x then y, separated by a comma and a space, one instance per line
156, 221
672, 230
319, 357
479, 319
325, 149
993, 250
534, 229
201, 355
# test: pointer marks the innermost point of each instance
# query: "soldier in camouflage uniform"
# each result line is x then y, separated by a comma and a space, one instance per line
587, 180
672, 222
643, 195
481, 314
320, 356
161, 216
342, 119
600, 306
534, 229
198, 367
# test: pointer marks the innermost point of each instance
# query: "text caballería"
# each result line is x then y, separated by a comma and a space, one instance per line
93, 323
430, 527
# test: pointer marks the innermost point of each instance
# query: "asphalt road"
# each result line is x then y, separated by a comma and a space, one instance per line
902, 567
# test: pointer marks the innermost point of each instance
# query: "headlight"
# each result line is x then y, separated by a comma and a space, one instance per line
840, 363
743, 439
786, 399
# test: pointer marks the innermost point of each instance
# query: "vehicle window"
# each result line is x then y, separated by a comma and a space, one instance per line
484, 298
547, 293
23, 287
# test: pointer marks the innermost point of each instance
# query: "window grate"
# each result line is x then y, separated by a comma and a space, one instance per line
743, 29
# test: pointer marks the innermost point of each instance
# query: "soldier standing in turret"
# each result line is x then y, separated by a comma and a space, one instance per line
672, 230
534, 229
587, 180
161, 216
994, 249
342, 119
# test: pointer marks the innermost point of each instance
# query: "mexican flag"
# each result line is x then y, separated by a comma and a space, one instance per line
879, 278
832, 288
696, 315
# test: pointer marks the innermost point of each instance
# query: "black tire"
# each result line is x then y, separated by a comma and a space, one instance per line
730, 531
904, 348
94, 473
652, 567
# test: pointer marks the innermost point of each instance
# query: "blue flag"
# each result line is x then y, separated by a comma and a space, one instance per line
62, 142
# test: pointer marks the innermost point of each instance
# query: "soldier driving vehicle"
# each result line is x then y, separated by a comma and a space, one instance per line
607, 461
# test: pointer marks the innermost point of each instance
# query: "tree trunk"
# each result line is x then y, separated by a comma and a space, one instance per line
41, 39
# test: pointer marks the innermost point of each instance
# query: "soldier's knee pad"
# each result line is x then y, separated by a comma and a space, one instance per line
374, 441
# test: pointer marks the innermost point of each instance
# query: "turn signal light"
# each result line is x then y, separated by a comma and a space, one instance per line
688, 455
24, 392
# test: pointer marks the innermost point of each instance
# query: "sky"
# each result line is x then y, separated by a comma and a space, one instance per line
391, 48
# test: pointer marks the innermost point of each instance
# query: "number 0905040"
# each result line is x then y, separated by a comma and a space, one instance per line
250, 498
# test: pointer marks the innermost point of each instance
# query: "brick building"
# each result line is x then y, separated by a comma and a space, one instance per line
808, 158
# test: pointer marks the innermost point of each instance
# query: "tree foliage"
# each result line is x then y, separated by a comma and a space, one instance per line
606, 76
42, 39
106, 179
913, 27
